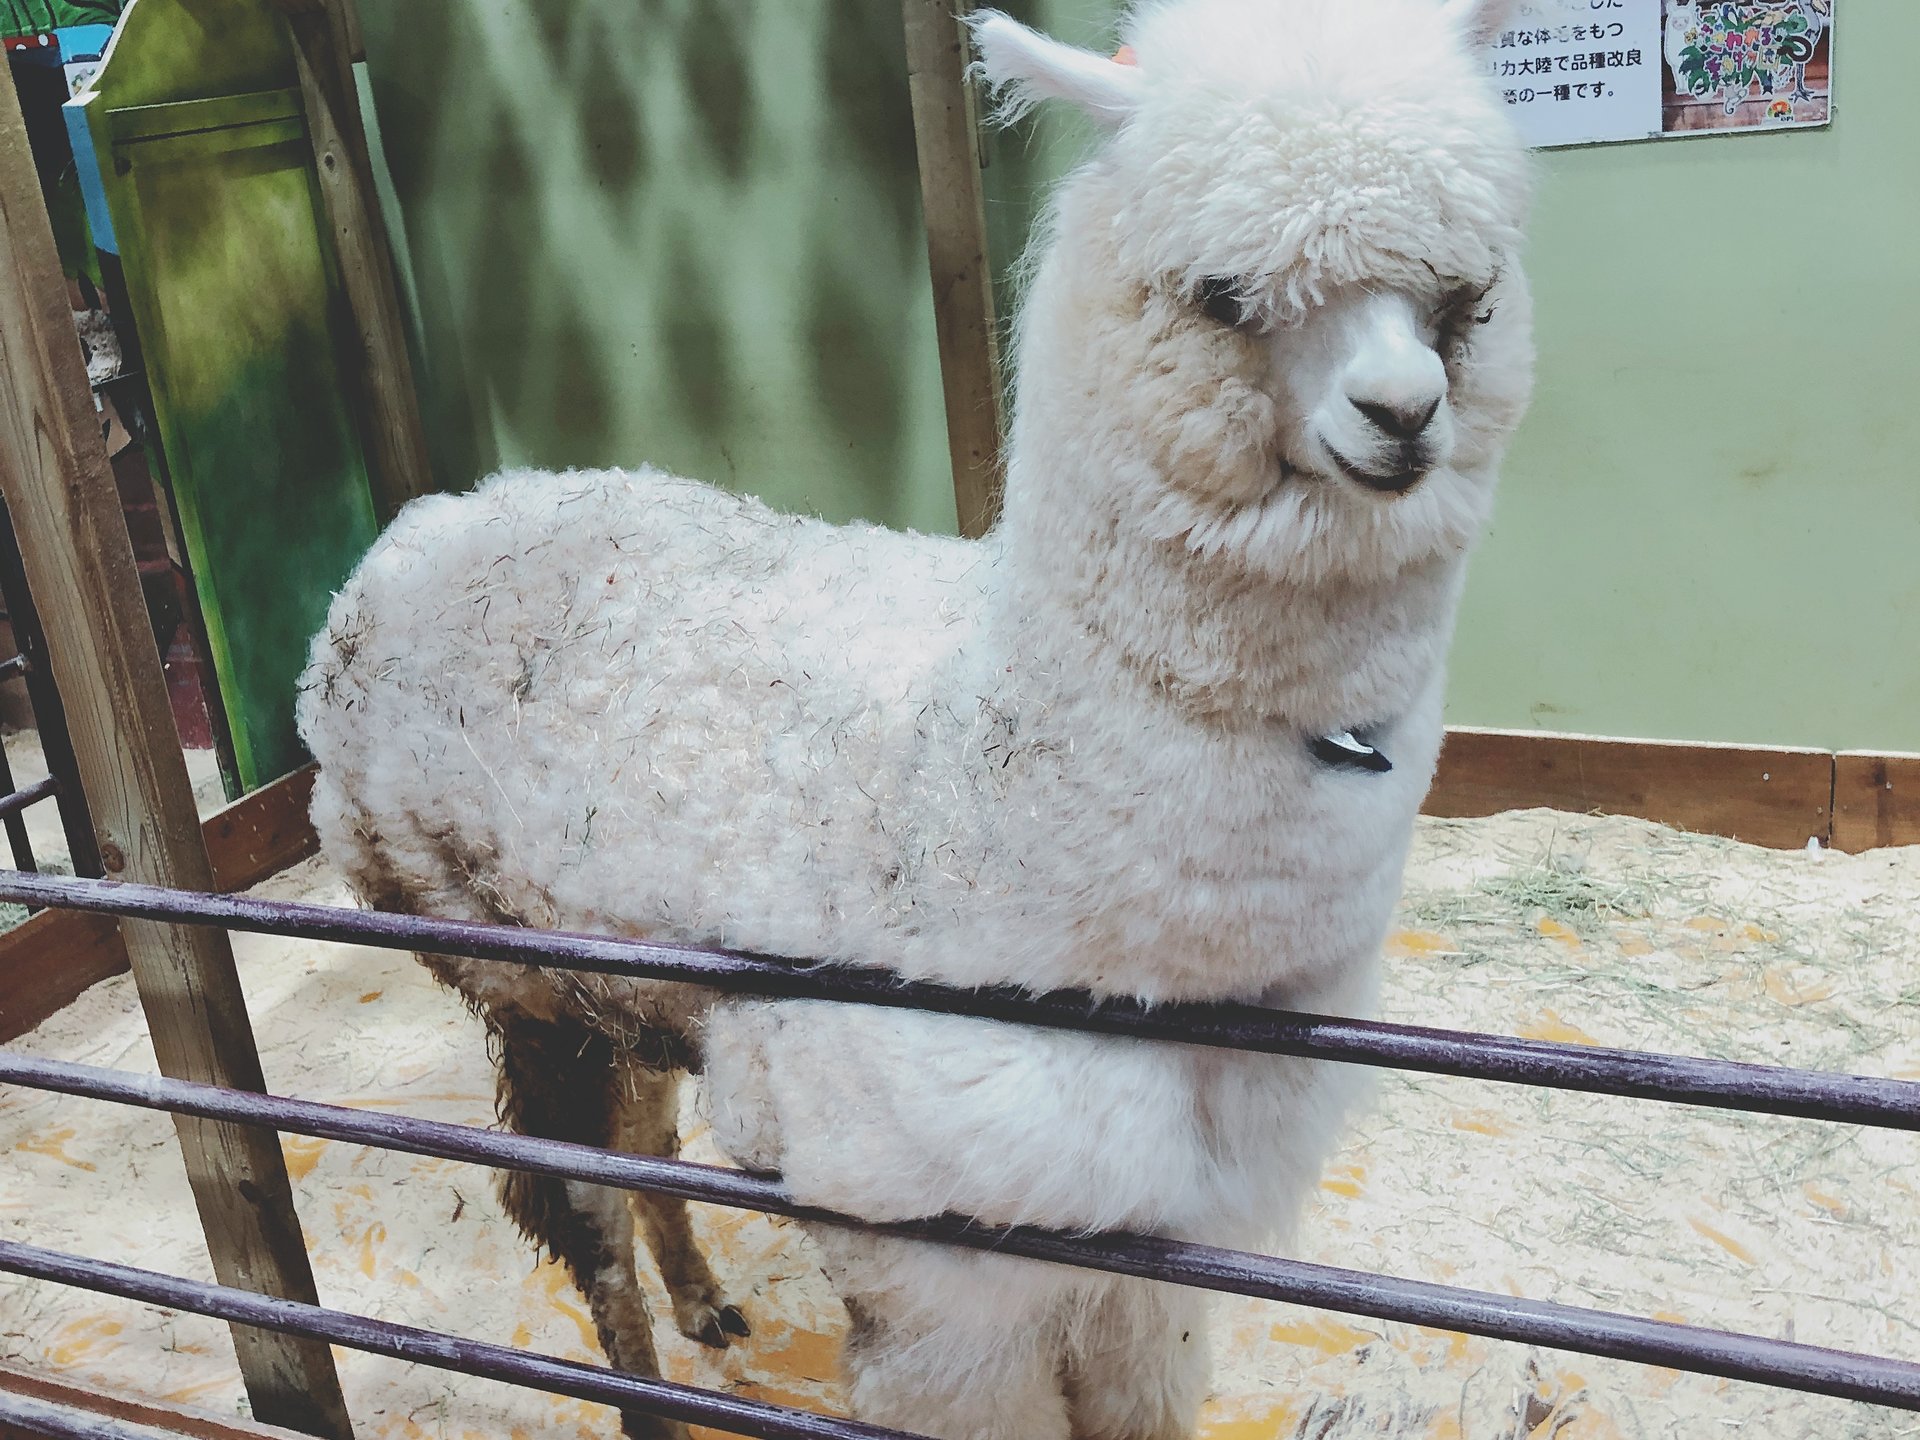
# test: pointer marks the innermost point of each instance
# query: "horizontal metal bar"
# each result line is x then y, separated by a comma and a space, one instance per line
9, 668
1414, 1302
1848, 1099
442, 1352
28, 1416
18, 800
24, 1415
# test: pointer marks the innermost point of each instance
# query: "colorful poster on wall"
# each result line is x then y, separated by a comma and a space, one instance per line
1584, 72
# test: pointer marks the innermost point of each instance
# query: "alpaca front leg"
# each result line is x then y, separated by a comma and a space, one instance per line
1137, 1368
558, 1080
596, 1241
951, 1345
953, 1383
649, 1124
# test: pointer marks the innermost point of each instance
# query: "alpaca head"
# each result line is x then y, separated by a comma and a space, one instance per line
1279, 320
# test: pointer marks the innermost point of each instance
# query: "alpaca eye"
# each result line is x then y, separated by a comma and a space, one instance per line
1466, 305
1220, 299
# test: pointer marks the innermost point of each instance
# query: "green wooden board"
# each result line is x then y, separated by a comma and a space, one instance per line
208, 174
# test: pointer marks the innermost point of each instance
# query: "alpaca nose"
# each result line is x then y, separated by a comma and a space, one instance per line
1404, 420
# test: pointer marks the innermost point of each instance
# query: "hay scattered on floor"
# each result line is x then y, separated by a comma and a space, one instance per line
1557, 927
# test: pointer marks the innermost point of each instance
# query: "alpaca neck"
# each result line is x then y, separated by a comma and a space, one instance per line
1214, 643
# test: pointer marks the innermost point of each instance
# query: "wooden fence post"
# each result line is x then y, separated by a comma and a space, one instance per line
79, 564
324, 40
947, 132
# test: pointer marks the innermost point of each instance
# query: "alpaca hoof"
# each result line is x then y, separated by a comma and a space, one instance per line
712, 1325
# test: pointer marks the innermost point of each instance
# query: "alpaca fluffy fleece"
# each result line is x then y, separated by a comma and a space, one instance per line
1075, 754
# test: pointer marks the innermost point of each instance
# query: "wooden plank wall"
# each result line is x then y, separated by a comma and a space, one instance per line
1779, 798
1775, 797
326, 42
1876, 800
953, 199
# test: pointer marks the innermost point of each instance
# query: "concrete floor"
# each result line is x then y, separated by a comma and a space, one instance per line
1557, 927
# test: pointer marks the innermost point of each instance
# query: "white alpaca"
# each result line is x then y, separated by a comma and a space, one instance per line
1162, 734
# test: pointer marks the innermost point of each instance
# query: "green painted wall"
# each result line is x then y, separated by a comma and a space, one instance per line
678, 231
687, 231
1710, 527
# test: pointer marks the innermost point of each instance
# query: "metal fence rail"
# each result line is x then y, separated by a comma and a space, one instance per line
1758, 1359
24, 1415
1847, 1099
19, 1414
443, 1352
1784, 1364
14, 801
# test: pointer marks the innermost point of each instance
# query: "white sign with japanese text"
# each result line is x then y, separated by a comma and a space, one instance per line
1581, 72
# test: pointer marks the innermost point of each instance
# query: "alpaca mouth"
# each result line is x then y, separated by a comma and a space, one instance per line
1396, 482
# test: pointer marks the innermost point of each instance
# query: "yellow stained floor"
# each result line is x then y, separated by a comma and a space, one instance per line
1536, 924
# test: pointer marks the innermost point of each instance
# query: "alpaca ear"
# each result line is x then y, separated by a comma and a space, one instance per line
1024, 67
1481, 21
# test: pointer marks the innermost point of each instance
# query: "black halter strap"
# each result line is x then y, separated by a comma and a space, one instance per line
1341, 751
